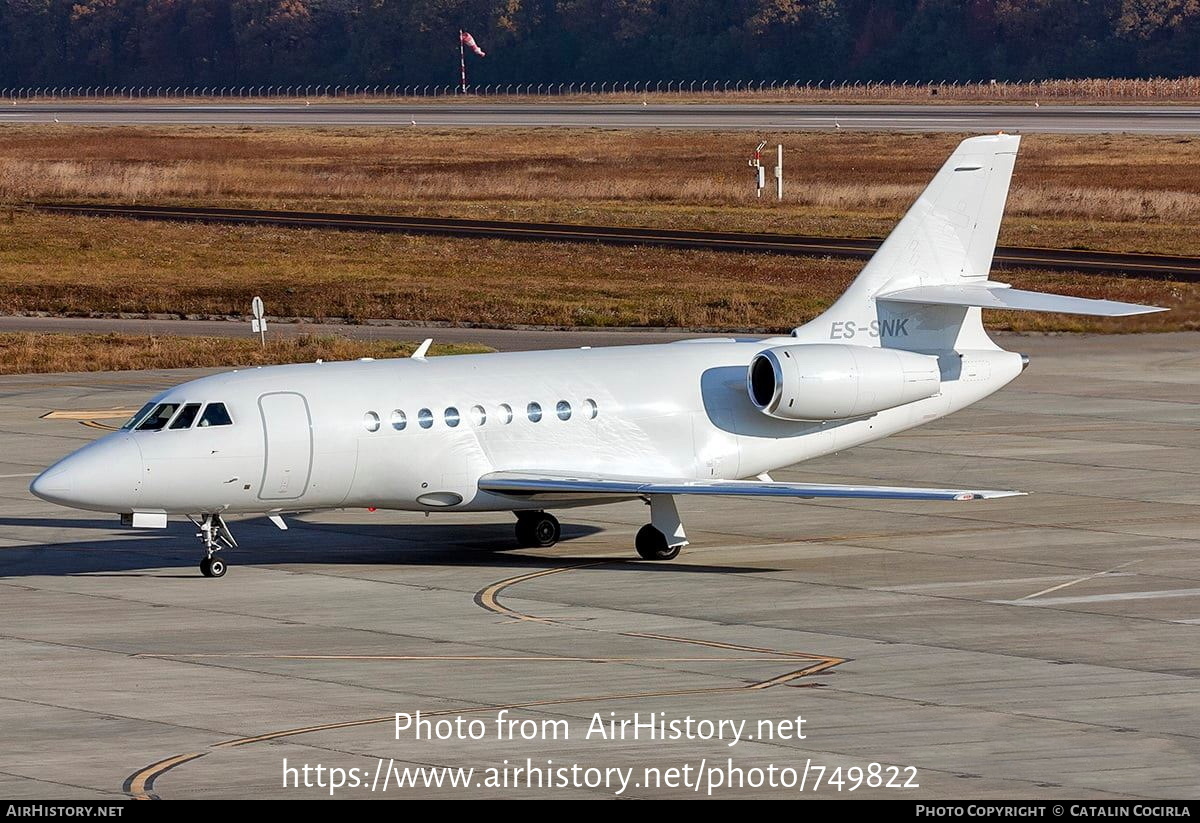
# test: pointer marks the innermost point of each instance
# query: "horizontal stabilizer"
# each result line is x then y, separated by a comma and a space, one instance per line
992, 295
562, 483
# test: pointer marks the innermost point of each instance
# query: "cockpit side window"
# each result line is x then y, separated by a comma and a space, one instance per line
137, 418
215, 414
158, 418
186, 416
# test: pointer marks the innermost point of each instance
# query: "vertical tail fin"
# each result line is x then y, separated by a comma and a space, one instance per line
947, 237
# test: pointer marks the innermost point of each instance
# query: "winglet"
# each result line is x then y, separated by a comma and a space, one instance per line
422, 349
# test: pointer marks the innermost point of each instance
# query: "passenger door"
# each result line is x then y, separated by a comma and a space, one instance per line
287, 458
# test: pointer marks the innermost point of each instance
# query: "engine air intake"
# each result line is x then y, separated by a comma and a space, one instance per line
818, 382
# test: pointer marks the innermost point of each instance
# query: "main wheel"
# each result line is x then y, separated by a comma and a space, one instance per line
651, 544
537, 530
213, 567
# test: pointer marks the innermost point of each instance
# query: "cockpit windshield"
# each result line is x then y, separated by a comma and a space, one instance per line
154, 417
186, 417
158, 418
142, 412
215, 414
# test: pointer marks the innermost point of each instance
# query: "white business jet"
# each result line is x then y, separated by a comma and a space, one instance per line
530, 431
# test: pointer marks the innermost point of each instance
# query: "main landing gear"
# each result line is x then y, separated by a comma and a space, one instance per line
651, 544
537, 530
660, 539
215, 535
663, 536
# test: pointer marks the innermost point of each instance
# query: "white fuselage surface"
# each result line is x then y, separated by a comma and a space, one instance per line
419, 434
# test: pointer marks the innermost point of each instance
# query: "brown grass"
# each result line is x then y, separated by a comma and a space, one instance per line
28, 353
1124, 193
93, 265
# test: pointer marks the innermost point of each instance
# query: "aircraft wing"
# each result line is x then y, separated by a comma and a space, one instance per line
528, 483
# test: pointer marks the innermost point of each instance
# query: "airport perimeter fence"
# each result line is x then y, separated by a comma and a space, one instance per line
1129, 89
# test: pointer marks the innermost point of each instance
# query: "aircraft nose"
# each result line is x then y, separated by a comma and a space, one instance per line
102, 476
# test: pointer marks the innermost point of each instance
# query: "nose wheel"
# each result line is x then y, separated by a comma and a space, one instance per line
214, 534
537, 530
212, 567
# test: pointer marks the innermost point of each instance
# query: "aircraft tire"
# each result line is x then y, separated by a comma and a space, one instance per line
537, 530
651, 544
213, 567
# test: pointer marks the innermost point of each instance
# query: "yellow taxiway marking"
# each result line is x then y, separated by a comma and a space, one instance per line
140, 783
487, 597
90, 417
88, 414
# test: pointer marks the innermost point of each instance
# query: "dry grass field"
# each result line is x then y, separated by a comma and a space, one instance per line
26, 353
86, 266
1131, 193
1124, 193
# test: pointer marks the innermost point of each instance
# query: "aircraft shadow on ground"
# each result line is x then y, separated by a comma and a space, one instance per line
175, 552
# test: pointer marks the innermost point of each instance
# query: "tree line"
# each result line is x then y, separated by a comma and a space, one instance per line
245, 42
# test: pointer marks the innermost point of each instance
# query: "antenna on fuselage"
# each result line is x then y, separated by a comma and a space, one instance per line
422, 349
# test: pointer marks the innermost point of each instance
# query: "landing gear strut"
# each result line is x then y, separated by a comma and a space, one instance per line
215, 535
537, 530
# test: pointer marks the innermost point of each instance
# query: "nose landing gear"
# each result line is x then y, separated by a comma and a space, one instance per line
215, 535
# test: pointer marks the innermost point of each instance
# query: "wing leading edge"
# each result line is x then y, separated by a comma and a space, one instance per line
562, 483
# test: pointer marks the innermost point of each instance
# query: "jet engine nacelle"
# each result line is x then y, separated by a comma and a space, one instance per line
828, 381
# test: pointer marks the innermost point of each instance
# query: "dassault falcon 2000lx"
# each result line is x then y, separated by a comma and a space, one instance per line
529, 431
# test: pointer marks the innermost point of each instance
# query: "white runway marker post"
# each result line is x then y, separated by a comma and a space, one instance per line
258, 325
779, 174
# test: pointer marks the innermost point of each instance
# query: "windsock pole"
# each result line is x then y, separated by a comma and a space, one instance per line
462, 61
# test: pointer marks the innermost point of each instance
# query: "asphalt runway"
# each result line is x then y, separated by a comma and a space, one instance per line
1166, 119
1042, 647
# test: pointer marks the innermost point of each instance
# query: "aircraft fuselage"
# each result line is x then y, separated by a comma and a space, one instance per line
419, 434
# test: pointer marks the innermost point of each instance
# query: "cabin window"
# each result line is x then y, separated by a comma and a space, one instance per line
563, 410
478, 415
158, 418
506, 414
589, 407
371, 422
215, 414
137, 418
451, 416
425, 418
399, 420
534, 410
186, 416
